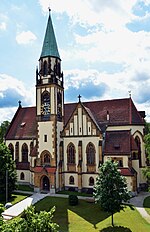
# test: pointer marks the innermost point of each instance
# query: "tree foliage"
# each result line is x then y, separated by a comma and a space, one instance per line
32, 221
146, 170
6, 163
111, 188
3, 128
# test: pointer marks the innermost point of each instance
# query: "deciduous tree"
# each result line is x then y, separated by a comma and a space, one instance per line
111, 188
3, 128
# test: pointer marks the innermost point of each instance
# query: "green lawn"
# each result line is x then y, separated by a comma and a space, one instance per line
15, 198
88, 217
146, 204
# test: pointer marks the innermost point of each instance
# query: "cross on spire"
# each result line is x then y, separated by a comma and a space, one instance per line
49, 9
79, 98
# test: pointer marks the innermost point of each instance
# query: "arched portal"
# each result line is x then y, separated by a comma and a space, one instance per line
45, 183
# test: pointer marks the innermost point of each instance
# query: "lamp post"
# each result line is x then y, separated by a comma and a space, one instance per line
6, 185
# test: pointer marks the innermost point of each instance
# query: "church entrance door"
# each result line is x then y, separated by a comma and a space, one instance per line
45, 183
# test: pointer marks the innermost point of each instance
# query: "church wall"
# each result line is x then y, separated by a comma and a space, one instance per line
45, 128
85, 180
85, 141
27, 178
21, 142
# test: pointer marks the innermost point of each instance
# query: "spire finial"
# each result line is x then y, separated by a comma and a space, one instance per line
129, 93
19, 103
49, 9
79, 98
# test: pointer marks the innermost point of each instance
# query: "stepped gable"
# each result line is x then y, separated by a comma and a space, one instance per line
118, 142
23, 125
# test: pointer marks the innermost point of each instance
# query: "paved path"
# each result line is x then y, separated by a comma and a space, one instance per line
18, 208
138, 203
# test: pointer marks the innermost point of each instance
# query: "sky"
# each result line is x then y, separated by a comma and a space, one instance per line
104, 46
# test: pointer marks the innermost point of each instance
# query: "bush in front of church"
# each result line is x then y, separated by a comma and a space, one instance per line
73, 200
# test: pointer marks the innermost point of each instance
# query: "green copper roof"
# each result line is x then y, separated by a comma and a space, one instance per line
50, 45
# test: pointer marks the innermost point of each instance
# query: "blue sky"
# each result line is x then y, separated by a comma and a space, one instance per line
104, 47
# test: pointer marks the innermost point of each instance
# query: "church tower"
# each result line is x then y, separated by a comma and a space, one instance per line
49, 112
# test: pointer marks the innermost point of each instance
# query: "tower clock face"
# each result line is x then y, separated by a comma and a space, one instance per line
45, 109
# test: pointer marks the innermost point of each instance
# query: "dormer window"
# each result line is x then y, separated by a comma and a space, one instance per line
117, 146
22, 124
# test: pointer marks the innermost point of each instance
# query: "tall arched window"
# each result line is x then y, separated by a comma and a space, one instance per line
71, 180
24, 153
22, 176
46, 159
45, 68
91, 181
90, 154
138, 143
17, 152
11, 148
45, 103
71, 154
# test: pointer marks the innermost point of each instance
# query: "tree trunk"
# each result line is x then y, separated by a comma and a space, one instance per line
112, 219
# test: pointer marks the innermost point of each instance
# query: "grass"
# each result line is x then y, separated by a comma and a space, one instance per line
74, 193
15, 198
25, 188
89, 217
146, 204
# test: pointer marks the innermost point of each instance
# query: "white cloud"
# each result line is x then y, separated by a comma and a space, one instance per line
110, 13
25, 37
3, 26
15, 87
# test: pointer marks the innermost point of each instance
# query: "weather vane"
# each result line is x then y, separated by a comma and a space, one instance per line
129, 93
49, 8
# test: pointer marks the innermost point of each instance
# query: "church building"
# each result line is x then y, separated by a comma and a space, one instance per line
59, 145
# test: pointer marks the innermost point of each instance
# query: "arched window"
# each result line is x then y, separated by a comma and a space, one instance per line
138, 143
45, 103
71, 154
90, 153
46, 158
91, 181
17, 152
24, 153
11, 148
71, 180
45, 68
22, 176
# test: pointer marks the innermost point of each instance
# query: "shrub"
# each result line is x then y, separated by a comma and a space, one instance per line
73, 200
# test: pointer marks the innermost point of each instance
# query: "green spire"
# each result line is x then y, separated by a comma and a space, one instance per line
50, 45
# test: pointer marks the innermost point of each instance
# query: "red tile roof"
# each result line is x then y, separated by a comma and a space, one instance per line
47, 169
117, 142
121, 112
126, 172
23, 125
